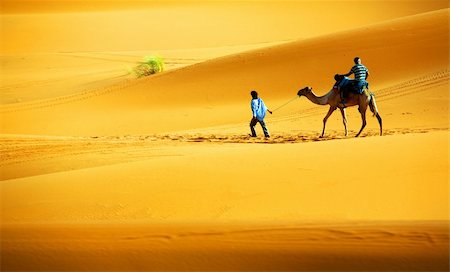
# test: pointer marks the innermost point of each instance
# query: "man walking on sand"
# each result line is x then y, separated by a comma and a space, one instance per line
259, 112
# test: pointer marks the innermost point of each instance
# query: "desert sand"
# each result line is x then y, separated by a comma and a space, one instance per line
104, 171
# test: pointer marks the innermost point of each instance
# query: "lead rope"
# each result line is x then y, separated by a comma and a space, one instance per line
290, 101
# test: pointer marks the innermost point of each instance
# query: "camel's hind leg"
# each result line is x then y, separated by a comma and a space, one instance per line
330, 111
344, 118
380, 122
363, 118
374, 109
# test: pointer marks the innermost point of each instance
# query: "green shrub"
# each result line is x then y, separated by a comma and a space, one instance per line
151, 65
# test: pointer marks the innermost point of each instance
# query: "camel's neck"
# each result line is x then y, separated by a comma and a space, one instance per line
322, 100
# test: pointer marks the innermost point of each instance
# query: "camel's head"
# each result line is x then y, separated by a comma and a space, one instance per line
304, 91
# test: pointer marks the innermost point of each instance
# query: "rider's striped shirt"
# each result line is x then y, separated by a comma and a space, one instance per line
359, 71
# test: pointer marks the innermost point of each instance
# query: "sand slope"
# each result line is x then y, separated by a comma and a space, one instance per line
283, 186
90, 26
199, 96
333, 204
56, 48
159, 173
390, 246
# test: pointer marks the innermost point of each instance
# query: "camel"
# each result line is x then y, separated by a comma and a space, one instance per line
333, 99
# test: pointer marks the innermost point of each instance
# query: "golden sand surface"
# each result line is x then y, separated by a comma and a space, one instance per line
103, 171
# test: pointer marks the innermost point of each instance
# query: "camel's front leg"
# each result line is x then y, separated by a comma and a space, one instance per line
330, 111
344, 117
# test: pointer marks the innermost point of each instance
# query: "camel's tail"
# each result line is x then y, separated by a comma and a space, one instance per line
374, 109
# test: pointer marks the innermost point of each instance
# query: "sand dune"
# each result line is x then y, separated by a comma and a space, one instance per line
306, 247
24, 156
141, 213
152, 187
30, 77
201, 93
49, 66
76, 26
100, 171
